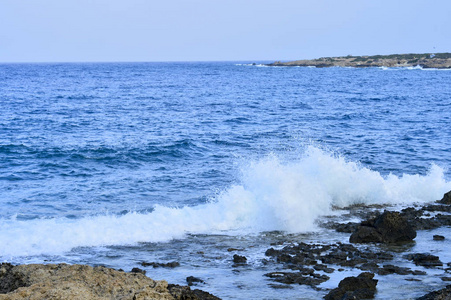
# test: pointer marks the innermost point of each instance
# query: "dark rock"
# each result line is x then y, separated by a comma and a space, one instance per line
438, 237
418, 272
138, 270
391, 269
371, 266
324, 268
435, 207
172, 264
446, 278
360, 287
8, 280
424, 259
280, 286
446, 198
271, 252
301, 278
238, 259
389, 227
234, 249
349, 227
193, 280
442, 294
185, 293
366, 234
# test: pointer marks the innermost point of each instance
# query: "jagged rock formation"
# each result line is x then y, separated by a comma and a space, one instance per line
64, 281
425, 60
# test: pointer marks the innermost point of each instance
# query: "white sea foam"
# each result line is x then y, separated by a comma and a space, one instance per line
271, 195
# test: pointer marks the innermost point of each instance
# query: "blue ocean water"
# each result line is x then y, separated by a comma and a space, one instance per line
115, 163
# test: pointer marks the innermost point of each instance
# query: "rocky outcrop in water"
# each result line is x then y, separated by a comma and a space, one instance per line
64, 281
424, 60
389, 227
446, 198
360, 287
442, 294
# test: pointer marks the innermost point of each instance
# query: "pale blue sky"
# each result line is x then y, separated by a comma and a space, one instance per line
217, 30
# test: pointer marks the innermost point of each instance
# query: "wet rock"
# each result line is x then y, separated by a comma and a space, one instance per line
64, 281
418, 272
370, 266
442, 294
280, 286
172, 264
389, 227
301, 278
271, 252
238, 259
391, 269
191, 280
360, 287
438, 237
185, 293
324, 268
424, 259
234, 249
446, 198
138, 270
366, 234
349, 227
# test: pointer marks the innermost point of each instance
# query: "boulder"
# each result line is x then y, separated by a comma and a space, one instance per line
360, 287
446, 198
191, 280
238, 259
389, 227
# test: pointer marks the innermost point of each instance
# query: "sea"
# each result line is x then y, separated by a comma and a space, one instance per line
116, 164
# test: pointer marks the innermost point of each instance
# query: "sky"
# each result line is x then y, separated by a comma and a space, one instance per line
218, 30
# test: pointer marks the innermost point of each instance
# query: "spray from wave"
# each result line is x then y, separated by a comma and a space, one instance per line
271, 195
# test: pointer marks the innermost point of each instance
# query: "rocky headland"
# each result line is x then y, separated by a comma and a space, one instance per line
425, 60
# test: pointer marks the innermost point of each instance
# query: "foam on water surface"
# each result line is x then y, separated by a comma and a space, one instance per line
271, 194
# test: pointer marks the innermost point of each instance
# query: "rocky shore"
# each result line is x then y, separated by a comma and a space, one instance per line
311, 263
63, 281
377, 247
425, 60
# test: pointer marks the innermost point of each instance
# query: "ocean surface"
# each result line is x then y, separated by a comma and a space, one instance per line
118, 163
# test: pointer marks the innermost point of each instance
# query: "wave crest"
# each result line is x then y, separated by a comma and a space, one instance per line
271, 195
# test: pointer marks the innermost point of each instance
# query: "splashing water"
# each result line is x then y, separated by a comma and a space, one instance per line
271, 195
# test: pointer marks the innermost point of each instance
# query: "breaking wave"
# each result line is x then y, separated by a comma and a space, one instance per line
271, 194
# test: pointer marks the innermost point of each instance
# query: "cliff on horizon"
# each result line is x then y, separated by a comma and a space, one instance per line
425, 60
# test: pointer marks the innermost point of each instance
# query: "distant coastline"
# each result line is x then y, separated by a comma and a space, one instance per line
424, 60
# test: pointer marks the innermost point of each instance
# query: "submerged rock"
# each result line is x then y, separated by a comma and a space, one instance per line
64, 281
389, 227
172, 264
442, 294
424, 259
360, 287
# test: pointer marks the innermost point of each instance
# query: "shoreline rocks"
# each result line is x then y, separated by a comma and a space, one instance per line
63, 281
361, 287
389, 227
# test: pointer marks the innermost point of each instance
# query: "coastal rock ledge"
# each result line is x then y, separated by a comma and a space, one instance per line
63, 281
424, 60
